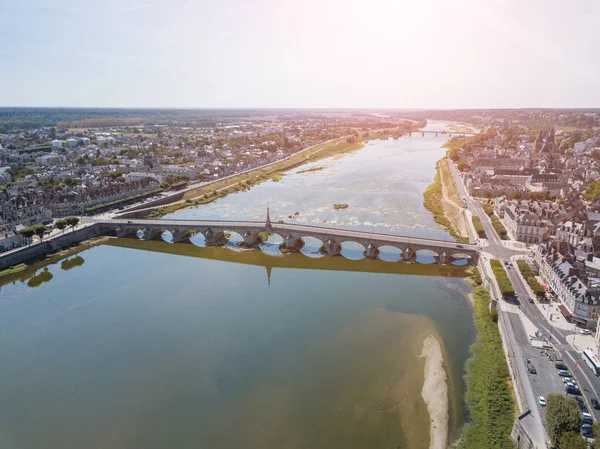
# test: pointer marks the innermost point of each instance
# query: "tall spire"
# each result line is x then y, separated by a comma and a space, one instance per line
268, 224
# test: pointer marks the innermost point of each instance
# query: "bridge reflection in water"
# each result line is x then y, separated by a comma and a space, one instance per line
293, 236
292, 261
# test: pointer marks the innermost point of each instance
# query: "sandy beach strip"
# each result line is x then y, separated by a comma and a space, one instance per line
435, 393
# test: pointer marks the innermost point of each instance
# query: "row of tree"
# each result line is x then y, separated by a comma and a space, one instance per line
564, 420
40, 229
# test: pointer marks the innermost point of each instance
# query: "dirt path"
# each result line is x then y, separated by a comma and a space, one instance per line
454, 211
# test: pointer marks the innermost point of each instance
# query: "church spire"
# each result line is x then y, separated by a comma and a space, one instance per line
268, 225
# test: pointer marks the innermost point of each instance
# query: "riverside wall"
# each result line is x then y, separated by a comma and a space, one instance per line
69, 238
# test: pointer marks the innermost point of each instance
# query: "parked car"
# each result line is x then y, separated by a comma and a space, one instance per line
587, 418
595, 403
542, 401
459, 246
572, 390
585, 332
531, 368
531, 300
559, 364
586, 431
564, 373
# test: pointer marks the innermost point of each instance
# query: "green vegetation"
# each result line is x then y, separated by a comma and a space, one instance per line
124, 200
488, 396
30, 231
592, 193
434, 202
478, 226
529, 276
340, 206
488, 209
562, 418
506, 287
499, 227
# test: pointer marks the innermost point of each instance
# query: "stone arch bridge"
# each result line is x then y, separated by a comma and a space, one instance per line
216, 232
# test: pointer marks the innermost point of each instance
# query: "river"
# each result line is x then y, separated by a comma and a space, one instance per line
148, 344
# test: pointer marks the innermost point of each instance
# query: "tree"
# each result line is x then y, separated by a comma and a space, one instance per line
572, 440
464, 166
517, 195
39, 230
72, 221
61, 224
27, 233
562, 416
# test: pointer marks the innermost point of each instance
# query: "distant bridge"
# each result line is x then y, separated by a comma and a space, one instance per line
252, 232
445, 133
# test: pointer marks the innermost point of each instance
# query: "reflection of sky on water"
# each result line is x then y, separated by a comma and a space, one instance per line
383, 185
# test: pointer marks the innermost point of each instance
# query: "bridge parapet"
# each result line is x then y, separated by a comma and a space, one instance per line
292, 234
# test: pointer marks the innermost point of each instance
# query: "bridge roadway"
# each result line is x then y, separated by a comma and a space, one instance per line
332, 238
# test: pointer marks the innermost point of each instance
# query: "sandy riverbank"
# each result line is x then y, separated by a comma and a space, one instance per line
435, 393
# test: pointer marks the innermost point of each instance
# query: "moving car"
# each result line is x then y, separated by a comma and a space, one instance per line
585, 332
595, 403
542, 401
564, 373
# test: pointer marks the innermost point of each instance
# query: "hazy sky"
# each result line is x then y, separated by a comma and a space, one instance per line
302, 53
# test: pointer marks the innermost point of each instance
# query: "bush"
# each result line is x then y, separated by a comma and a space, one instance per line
478, 226
499, 227
506, 287
488, 209
488, 396
529, 276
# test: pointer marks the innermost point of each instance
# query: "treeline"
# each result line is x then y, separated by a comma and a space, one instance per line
529, 276
506, 287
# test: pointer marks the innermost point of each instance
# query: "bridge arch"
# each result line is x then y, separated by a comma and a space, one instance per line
311, 246
198, 239
389, 253
426, 256
166, 236
232, 240
353, 250
271, 243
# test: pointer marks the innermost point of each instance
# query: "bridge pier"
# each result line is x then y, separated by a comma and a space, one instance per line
331, 248
371, 252
250, 238
180, 235
212, 238
443, 258
151, 233
409, 255
292, 242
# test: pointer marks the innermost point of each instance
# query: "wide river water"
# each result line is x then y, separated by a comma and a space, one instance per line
134, 344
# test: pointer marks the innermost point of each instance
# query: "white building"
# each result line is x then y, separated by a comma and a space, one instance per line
110, 140
4, 175
71, 143
190, 172
50, 158
100, 140
138, 176
57, 144
85, 141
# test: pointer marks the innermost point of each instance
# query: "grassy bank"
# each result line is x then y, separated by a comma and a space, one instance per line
488, 396
434, 202
506, 287
529, 276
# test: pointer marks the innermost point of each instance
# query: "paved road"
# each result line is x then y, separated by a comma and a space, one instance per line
547, 379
